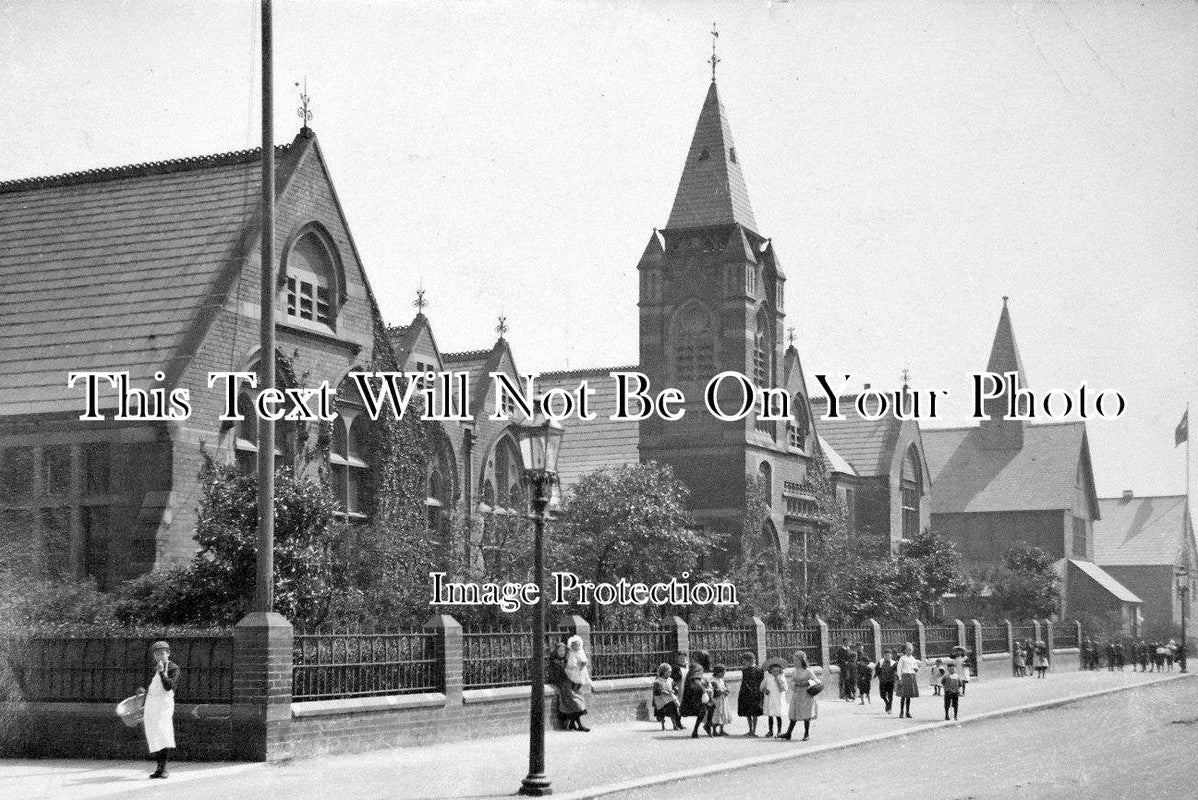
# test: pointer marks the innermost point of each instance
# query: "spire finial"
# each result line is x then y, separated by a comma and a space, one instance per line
906, 377
420, 302
501, 328
1004, 300
305, 108
790, 336
715, 35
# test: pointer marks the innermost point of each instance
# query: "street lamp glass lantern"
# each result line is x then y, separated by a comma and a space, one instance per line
540, 441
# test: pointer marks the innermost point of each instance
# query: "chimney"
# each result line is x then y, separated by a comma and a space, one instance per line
1128, 494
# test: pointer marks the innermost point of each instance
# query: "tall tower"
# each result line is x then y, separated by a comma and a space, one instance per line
999, 432
711, 300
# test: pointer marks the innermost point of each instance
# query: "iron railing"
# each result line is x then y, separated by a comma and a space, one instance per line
726, 646
94, 669
329, 666
783, 643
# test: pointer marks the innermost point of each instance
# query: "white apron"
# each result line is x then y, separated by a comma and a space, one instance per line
158, 718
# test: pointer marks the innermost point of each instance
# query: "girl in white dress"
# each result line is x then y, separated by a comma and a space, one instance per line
773, 686
158, 716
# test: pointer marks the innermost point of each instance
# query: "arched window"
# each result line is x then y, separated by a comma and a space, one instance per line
911, 488
312, 280
440, 497
351, 473
763, 350
692, 340
800, 425
765, 479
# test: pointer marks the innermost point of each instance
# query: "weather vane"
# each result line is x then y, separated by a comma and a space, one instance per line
715, 34
420, 302
501, 328
305, 110
906, 377
790, 336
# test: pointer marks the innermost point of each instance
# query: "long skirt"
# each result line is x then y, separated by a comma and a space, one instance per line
570, 701
908, 686
803, 705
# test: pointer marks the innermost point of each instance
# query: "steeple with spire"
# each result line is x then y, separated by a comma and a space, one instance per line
712, 190
999, 432
711, 301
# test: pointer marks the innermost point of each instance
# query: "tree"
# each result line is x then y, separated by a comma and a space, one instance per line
217, 586
1027, 586
629, 522
930, 567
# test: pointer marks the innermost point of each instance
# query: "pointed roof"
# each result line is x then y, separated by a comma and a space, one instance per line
121, 268
712, 189
1004, 353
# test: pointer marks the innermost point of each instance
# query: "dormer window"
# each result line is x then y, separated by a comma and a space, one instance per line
704, 154
732, 154
312, 280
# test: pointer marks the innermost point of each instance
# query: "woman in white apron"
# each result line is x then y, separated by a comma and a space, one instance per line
159, 710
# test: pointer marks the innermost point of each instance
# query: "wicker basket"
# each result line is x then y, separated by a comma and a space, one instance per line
131, 709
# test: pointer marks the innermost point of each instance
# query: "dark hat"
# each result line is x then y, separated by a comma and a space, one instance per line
770, 663
159, 645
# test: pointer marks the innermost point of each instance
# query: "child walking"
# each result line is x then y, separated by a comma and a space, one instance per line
773, 687
937, 676
665, 701
721, 714
952, 690
864, 675
750, 703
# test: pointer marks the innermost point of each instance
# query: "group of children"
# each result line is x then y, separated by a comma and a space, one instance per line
765, 691
1028, 657
1148, 656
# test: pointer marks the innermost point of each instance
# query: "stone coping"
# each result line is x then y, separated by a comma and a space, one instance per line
500, 693
93, 709
360, 705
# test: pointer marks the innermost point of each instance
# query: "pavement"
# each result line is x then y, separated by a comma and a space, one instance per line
612, 758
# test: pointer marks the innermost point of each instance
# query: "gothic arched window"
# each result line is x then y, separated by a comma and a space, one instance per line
763, 350
312, 274
911, 488
351, 474
800, 425
692, 337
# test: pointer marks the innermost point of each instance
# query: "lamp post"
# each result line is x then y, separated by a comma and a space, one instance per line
1183, 589
540, 441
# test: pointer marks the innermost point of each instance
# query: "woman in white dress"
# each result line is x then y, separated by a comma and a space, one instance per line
159, 709
803, 705
578, 672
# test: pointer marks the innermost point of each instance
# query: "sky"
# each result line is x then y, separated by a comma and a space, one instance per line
912, 163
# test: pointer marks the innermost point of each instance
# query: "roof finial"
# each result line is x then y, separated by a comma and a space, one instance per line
501, 328
305, 109
1004, 301
906, 377
715, 34
790, 336
420, 302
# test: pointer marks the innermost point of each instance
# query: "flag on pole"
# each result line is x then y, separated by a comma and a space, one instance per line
1182, 434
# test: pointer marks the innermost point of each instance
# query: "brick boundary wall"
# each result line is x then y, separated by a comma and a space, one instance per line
263, 722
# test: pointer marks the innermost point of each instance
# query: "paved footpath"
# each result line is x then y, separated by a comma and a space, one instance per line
611, 758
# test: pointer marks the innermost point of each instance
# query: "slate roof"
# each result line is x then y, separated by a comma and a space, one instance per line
1144, 531
1041, 476
712, 188
112, 269
836, 462
1102, 578
601, 442
868, 445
